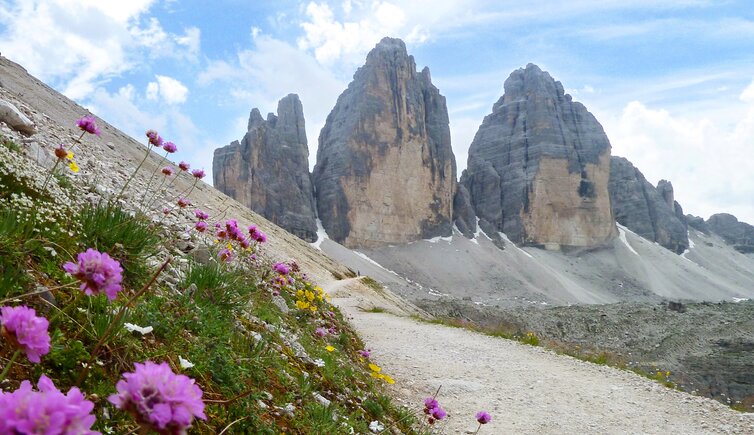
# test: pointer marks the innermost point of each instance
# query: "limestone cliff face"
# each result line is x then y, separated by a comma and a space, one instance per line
650, 212
268, 171
539, 166
385, 170
736, 233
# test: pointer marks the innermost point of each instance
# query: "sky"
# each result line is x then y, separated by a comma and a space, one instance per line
672, 81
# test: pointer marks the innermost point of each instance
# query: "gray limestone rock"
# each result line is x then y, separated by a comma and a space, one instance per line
463, 212
385, 170
539, 165
650, 212
697, 223
10, 115
268, 171
736, 233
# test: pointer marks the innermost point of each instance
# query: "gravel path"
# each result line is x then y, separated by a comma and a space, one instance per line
526, 389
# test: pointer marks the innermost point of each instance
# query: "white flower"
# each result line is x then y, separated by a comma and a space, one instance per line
376, 426
140, 329
185, 364
319, 362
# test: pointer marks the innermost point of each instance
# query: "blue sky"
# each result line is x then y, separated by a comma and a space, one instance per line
671, 81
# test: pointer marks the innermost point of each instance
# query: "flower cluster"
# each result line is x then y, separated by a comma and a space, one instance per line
154, 138
281, 268
89, 125
47, 411
433, 410
375, 371
257, 234
97, 272
198, 173
483, 417
169, 147
168, 171
309, 297
158, 398
61, 153
25, 331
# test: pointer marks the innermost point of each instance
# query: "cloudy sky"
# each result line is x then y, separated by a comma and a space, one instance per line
671, 81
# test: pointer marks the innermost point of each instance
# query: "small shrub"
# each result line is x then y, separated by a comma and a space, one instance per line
10, 144
371, 283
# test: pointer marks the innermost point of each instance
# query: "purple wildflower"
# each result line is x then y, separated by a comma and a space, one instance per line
170, 147
184, 166
198, 173
245, 244
167, 170
201, 215
97, 272
365, 353
158, 398
225, 255
483, 417
88, 124
281, 268
430, 403
154, 138
320, 332
201, 226
47, 411
183, 202
261, 237
439, 413
21, 326
165, 211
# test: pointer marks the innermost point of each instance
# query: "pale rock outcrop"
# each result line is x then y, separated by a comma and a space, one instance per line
268, 171
385, 170
10, 115
539, 166
649, 212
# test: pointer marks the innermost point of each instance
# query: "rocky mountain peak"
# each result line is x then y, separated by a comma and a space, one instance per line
385, 170
539, 165
738, 234
268, 171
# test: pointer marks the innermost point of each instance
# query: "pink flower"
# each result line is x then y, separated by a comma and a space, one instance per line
183, 202
261, 237
88, 124
167, 170
198, 173
47, 411
201, 226
21, 326
281, 268
158, 398
320, 332
483, 417
225, 255
97, 272
165, 211
439, 413
184, 166
364, 353
201, 215
154, 138
170, 147
245, 244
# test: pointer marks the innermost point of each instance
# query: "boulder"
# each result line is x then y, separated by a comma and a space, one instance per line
10, 115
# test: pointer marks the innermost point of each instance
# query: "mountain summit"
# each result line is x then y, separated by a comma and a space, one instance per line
385, 170
539, 166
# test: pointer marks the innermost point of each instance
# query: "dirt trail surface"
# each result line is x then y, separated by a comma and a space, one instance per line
526, 389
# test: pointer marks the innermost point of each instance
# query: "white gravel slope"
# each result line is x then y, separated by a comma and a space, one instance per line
526, 389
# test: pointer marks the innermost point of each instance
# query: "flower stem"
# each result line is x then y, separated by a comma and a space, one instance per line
10, 363
477, 429
52, 171
133, 174
116, 320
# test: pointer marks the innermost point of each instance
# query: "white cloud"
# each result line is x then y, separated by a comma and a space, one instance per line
272, 69
170, 90
77, 45
747, 96
708, 163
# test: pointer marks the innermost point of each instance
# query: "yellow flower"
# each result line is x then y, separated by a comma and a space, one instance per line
73, 166
69, 156
388, 379
667, 374
313, 308
309, 295
300, 293
329, 348
376, 375
301, 305
375, 368
230, 247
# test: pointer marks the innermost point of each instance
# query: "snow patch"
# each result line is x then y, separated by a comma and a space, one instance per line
508, 241
691, 246
737, 300
448, 239
364, 256
622, 235
321, 235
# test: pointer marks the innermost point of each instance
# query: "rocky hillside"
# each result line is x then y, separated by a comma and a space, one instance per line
650, 212
268, 171
385, 170
539, 166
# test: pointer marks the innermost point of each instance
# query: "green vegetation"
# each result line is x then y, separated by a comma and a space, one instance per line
371, 283
263, 368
